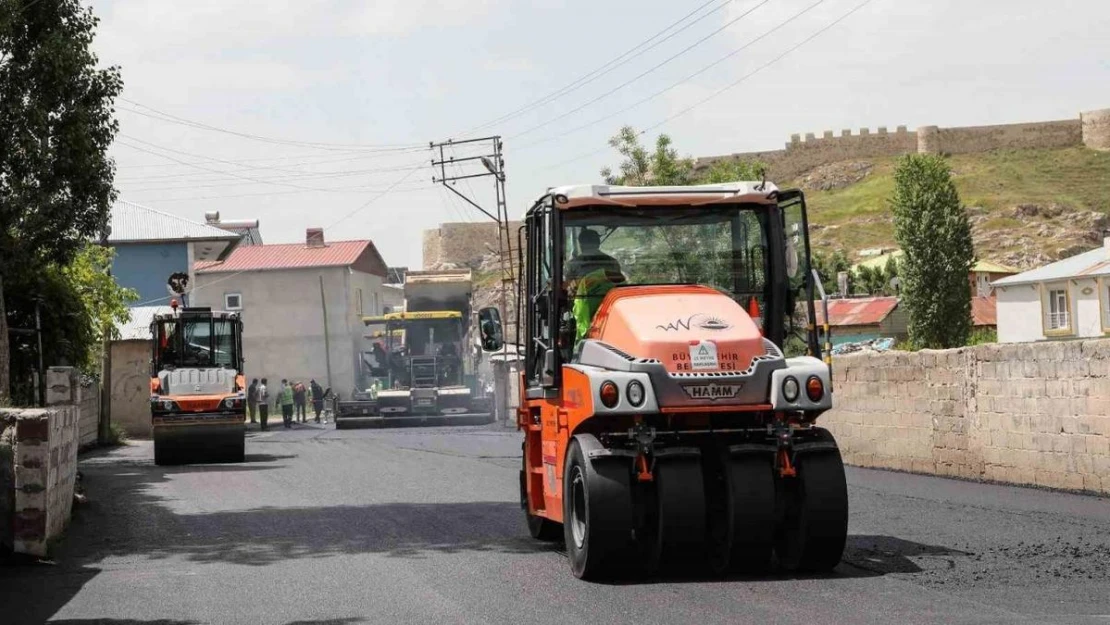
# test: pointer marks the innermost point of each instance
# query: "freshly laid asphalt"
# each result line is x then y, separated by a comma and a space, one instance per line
422, 525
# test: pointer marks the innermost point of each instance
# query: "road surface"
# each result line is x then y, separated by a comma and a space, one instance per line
423, 526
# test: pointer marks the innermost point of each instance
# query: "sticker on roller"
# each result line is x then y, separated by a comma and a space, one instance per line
703, 355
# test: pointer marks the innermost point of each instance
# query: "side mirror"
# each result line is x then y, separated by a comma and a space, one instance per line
489, 329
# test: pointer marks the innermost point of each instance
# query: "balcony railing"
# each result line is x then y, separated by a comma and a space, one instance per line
1058, 320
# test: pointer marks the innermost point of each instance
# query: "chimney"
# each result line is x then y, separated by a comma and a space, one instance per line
212, 217
314, 237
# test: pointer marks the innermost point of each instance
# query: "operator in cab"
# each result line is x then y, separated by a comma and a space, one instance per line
589, 276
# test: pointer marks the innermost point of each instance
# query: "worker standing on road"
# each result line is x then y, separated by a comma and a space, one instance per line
262, 398
299, 400
317, 398
252, 399
285, 398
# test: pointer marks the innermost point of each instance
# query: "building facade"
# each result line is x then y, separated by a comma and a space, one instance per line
150, 246
1066, 299
301, 306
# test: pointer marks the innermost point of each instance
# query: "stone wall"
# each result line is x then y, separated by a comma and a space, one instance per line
38, 450
463, 244
1091, 129
130, 402
88, 414
1033, 414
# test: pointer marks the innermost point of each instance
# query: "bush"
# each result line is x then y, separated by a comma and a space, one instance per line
116, 435
983, 336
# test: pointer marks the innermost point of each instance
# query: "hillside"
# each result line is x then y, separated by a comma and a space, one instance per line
1028, 207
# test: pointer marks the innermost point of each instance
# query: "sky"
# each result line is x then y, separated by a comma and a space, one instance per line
313, 113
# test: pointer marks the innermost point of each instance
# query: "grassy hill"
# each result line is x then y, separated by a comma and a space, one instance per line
1028, 207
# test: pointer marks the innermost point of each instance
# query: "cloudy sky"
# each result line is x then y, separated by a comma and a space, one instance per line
305, 113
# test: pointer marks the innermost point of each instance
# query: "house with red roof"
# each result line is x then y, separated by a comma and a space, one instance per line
301, 305
858, 319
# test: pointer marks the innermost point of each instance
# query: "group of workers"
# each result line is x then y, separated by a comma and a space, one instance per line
292, 398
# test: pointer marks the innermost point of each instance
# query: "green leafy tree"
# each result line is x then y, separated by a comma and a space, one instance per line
695, 254
56, 124
74, 304
932, 228
829, 267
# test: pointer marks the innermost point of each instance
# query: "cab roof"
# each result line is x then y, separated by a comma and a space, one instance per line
694, 195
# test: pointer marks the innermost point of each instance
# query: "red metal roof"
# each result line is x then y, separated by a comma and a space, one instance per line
984, 311
299, 256
864, 311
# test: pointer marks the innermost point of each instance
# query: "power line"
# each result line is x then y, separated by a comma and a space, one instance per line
170, 118
348, 215
375, 198
726, 88
642, 74
344, 190
774, 30
232, 174
609, 66
291, 173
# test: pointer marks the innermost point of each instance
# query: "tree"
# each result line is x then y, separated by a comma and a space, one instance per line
56, 120
932, 227
664, 167
695, 254
829, 267
74, 303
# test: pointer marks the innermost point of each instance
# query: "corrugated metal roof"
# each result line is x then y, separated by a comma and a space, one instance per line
984, 311
986, 266
132, 223
138, 329
287, 256
864, 311
1088, 264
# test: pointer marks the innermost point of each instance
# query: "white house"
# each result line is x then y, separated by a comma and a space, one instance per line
302, 305
1069, 298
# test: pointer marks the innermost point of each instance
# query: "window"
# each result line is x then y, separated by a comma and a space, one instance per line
358, 302
233, 301
1058, 318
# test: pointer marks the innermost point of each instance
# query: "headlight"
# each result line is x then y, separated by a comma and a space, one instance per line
635, 392
790, 389
229, 402
610, 395
815, 389
167, 405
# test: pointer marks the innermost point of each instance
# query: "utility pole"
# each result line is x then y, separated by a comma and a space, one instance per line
494, 164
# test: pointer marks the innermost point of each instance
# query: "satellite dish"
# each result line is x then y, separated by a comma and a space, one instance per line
178, 283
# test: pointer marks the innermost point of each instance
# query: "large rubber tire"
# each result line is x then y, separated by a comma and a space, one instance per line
237, 451
597, 515
750, 516
165, 455
539, 527
815, 528
676, 536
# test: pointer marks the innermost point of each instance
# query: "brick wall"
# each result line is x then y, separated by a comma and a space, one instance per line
1035, 414
38, 454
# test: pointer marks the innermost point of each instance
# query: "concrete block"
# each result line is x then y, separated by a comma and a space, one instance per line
1093, 483
61, 386
1097, 445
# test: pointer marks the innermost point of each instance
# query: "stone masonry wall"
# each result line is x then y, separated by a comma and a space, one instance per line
463, 244
38, 450
1034, 414
1091, 129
